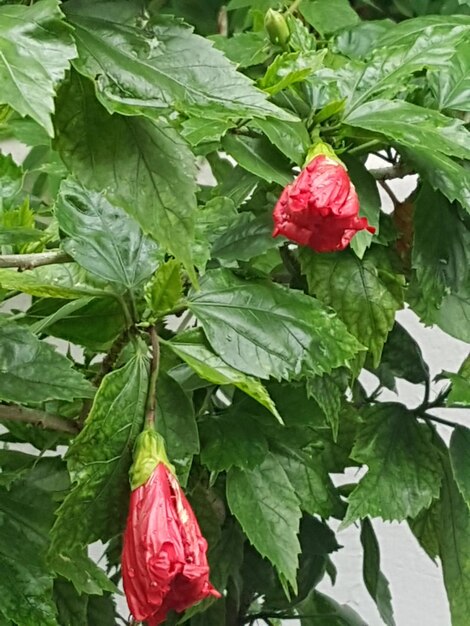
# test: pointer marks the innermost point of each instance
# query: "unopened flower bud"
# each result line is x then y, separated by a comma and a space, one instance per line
276, 27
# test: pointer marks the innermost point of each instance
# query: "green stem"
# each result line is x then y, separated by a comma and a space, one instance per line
438, 420
293, 7
154, 369
364, 146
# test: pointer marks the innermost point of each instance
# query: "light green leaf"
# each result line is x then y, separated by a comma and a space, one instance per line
198, 130
411, 125
247, 237
290, 68
267, 330
318, 606
165, 289
244, 49
99, 461
232, 440
328, 16
11, 181
404, 472
103, 239
375, 581
454, 542
459, 451
15, 236
32, 371
193, 349
142, 166
264, 502
460, 390
291, 138
452, 83
365, 294
258, 156
161, 67
35, 50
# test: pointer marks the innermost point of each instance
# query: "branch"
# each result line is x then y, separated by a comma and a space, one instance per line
154, 369
38, 418
391, 171
29, 261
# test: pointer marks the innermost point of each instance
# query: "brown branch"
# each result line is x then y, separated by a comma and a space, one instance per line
29, 261
38, 418
391, 171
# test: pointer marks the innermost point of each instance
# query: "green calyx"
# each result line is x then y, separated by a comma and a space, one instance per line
149, 451
276, 27
321, 148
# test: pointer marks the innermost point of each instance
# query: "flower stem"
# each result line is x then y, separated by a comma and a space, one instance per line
293, 7
154, 369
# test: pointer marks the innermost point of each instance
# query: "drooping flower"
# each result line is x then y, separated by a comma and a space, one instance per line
164, 562
320, 209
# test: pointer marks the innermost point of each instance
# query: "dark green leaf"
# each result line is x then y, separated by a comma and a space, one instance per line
375, 581
328, 394
101, 611
13, 465
237, 187
266, 330
103, 239
365, 294
165, 289
244, 49
142, 166
193, 349
77, 567
318, 606
71, 607
99, 460
198, 130
161, 67
404, 471
460, 390
328, 16
11, 181
290, 68
258, 156
35, 49
232, 440
32, 371
452, 83
291, 138
264, 502
459, 451
357, 41
453, 316
213, 219
426, 528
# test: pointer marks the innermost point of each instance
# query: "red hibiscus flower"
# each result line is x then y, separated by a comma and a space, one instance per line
164, 563
320, 208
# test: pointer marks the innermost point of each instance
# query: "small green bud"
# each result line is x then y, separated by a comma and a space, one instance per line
276, 27
321, 148
149, 451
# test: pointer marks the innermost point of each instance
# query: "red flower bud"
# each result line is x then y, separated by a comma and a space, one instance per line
164, 563
320, 208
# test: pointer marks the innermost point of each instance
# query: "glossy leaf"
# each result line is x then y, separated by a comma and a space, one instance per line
244, 49
142, 166
266, 330
329, 395
213, 219
99, 460
102, 238
375, 581
162, 66
291, 138
78, 568
165, 289
328, 16
402, 478
35, 51
198, 130
459, 451
32, 371
290, 68
452, 83
193, 349
264, 502
329, 611
365, 294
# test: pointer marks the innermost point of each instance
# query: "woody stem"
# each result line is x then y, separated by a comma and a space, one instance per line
154, 368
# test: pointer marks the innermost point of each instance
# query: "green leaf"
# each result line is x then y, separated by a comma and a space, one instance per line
154, 183
237, 187
453, 316
176, 423
267, 330
101, 611
460, 390
165, 289
375, 581
265, 504
13, 465
198, 130
452, 83
328, 394
328, 16
85, 575
404, 471
103, 239
71, 607
15, 236
35, 49
161, 67
213, 219
258, 156
459, 450
99, 461
11, 182
247, 237
358, 40
454, 542
369, 203
244, 49
426, 528
291, 138
26, 514
232, 440
318, 606
365, 294
193, 349
411, 125
317, 494
32, 371
290, 68
441, 263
